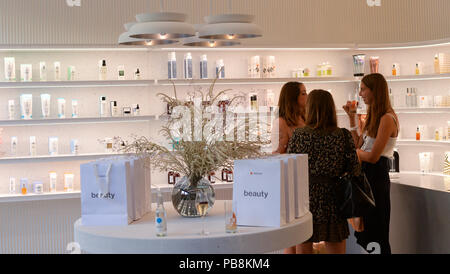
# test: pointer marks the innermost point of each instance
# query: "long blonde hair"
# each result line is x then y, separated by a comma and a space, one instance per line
289, 109
380, 104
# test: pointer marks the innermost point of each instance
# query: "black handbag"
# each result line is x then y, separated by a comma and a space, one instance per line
354, 194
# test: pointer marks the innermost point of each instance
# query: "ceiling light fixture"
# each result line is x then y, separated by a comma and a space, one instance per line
125, 39
229, 26
161, 26
207, 43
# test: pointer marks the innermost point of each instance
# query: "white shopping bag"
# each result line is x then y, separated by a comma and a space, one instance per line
259, 192
106, 196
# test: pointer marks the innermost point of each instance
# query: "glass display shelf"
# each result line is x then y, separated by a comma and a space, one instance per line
409, 110
412, 142
81, 120
7, 198
256, 81
420, 77
76, 84
59, 157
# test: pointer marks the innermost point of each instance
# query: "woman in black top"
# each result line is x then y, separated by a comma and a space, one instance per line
331, 152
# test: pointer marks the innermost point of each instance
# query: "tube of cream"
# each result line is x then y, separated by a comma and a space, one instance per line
68, 181
10, 69
61, 108
26, 106
45, 103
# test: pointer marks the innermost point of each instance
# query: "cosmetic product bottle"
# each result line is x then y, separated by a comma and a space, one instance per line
358, 64
136, 110
114, 109
12, 185
220, 69
211, 177
437, 69
394, 70
53, 145
413, 97
14, 143
437, 135
254, 103
103, 71
329, 69
74, 108
270, 99
269, 67
187, 66
229, 176
10, 69
171, 178
172, 66
391, 97
203, 67
57, 71
417, 69
408, 98
137, 74
103, 106
160, 216
121, 72
61, 108
26, 106
11, 110
71, 73
306, 72
26, 72
417, 134
24, 186
38, 187
74, 146
255, 67
33, 146
374, 64
45, 105
42, 71
126, 111
224, 175
108, 145
68, 182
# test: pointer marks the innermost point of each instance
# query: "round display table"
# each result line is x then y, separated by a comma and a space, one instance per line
183, 235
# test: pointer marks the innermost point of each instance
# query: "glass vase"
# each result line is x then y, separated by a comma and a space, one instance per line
184, 193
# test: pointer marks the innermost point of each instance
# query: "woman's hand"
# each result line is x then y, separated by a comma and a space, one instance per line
350, 109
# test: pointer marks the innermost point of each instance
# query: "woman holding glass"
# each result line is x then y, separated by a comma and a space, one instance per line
374, 148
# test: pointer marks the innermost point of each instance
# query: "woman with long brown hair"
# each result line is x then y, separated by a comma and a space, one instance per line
291, 107
331, 153
374, 147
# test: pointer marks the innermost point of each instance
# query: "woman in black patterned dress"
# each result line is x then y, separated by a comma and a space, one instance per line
331, 152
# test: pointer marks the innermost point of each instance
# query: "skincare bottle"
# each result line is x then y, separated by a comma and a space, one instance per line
103, 70
38, 187
68, 181
74, 108
413, 97
417, 134
437, 69
137, 74
11, 110
391, 97
103, 105
10, 69
45, 104
160, 217
71, 73
254, 103
437, 135
136, 110
33, 146
74, 146
26, 72
114, 109
26, 106
220, 69
407, 98
61, 108
394, 70
12, 185
24, 186
121, 72
187, 66
172, 66
417, 69
53, 179
53, 145
42, 71
203, 67
14, 142
57, 67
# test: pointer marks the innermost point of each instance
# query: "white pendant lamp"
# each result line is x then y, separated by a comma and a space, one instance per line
229, 27
125, 39
161, 26
207, 43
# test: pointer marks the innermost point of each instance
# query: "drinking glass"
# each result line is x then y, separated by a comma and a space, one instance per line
230, 217
202, 205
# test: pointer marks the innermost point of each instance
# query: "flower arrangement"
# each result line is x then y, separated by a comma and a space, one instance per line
204, 138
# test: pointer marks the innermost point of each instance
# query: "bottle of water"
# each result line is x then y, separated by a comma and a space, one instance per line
160, 217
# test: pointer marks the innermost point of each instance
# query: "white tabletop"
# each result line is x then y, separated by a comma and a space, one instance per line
184, 235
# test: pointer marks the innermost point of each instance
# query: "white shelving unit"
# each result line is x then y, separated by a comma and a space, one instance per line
82, 120
59, 157
77, 84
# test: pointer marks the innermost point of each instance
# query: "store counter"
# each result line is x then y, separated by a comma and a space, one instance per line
184, 235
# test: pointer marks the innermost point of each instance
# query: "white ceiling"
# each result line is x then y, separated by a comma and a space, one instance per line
286, 23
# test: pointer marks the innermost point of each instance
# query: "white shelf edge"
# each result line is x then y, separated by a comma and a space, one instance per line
57, 157
252, 81
409, 142
81, 83
81, 120
6, 198
439, 174
423, 77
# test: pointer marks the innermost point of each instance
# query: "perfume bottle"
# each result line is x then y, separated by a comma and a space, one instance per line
224, 175
137, 74
394, 70
103, 70
417, 134
187, 65
24, 185
417, 69
229, 176
172, 66
160, 217
254, 103
203, 67
114, 109
171, 178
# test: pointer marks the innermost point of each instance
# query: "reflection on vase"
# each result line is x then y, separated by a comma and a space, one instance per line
184, 192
